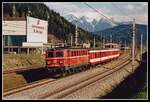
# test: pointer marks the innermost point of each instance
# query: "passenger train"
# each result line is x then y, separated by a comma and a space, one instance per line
62, 61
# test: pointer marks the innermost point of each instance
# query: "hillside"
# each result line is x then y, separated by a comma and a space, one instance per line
123, 33
58, 26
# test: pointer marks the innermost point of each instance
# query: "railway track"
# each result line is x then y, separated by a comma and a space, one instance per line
67, 90
83, 83
29, 86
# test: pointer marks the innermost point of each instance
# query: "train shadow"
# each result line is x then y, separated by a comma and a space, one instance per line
36, 75
132, 84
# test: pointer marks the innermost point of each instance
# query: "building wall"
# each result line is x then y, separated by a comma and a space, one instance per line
14, 40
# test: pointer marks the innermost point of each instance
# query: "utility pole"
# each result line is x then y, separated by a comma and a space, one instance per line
104, 41
111, 40
94, 43
14, 10
71, 41
29, 12
76, 35
141, 45
133, 45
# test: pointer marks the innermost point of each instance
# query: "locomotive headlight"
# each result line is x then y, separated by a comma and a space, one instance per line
60, 62
48, 62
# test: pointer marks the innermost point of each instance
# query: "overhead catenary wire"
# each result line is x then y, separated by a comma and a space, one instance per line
120, 9
100, 13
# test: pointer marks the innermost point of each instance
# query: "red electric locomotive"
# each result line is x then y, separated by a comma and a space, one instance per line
66, 60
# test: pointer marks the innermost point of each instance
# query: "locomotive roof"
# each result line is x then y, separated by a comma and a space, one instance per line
104, 50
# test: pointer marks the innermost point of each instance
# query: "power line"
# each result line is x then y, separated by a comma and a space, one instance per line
120, 9
100, 13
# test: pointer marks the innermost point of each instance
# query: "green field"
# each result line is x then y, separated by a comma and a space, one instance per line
142, 94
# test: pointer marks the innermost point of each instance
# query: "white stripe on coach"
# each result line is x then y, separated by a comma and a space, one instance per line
104, 50
103, 58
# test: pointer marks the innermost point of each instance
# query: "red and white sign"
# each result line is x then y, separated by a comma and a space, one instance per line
36, 30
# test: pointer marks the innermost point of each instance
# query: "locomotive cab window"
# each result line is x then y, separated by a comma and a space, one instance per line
50, 54
59, 54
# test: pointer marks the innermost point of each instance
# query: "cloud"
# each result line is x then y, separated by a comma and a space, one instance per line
62, 7
129, 7
123, 12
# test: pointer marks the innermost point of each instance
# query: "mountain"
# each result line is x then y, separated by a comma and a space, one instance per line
125, 22
89, 24
82, 22
123, 32
103, 24
71, 18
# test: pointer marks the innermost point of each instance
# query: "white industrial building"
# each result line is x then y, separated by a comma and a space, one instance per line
30, 33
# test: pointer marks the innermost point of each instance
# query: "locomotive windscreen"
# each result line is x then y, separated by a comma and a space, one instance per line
50, 54
59, 54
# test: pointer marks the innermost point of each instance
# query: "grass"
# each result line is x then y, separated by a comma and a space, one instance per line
142, 94
22, 60
11, 61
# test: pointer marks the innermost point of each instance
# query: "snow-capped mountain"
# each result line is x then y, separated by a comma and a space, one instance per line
83, 22
71, 17
103, 24
88, 24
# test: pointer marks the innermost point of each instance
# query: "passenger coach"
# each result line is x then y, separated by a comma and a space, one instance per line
101, 56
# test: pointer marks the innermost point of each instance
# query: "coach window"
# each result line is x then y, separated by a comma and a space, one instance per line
74, 53
79, 53
71, 53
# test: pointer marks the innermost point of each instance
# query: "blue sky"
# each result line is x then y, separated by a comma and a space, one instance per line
119, 11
